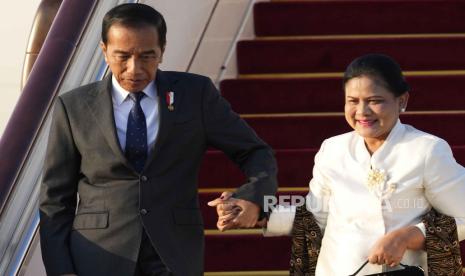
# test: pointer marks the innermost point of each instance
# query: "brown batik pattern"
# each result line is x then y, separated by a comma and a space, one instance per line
306, 243
442, 244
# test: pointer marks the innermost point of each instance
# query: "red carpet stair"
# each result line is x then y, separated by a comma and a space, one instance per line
289, 90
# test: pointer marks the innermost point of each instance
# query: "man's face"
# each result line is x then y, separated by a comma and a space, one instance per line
133, 55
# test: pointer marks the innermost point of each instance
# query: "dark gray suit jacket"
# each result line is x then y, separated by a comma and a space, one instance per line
100, 233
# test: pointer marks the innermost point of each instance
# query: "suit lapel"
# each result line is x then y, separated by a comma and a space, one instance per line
165, 83
100, 104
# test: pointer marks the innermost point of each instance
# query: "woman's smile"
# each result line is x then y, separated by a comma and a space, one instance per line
366, 123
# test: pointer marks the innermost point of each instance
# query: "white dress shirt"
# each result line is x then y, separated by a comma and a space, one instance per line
420, 172
122, 105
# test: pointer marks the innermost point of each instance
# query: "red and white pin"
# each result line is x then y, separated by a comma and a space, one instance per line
170, 100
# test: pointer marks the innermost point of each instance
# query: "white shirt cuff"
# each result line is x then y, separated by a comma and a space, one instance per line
460, 228
422, 228
280, 222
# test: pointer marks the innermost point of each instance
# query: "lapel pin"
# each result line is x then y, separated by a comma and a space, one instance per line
170, 100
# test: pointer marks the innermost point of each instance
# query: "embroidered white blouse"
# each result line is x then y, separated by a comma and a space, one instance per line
410, 173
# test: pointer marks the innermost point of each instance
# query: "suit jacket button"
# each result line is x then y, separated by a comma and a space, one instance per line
143, 212
144, 178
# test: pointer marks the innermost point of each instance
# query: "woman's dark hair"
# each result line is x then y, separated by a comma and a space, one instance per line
135, 16
383, 68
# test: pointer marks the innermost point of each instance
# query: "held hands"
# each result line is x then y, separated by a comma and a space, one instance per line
235, 213
391, 247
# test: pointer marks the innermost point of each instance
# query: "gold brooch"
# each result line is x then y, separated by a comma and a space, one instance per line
376, 178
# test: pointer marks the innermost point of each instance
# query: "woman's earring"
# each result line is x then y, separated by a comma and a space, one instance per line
402, 109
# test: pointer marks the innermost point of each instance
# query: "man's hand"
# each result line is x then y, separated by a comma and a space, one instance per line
391, 247
235, 213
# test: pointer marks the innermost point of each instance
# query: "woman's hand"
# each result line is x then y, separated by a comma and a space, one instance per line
225, 209
391, 247
235, 213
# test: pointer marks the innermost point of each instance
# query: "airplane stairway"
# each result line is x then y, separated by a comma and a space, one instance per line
289, 89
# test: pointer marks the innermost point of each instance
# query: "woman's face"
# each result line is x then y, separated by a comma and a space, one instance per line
370, 109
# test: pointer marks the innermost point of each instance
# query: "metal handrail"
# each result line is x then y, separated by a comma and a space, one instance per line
24, 245
29, 217
23, 129
40, 27
202, 36
39, 92
232, 46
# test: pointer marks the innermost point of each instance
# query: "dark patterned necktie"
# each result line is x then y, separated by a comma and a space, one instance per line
136, 133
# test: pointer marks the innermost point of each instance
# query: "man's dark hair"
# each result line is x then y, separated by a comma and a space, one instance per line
135, 16
381, 67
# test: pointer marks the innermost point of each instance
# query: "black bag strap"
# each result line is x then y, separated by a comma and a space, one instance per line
366, 262
360, 268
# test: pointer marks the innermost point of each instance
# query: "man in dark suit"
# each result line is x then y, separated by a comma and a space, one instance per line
119, 192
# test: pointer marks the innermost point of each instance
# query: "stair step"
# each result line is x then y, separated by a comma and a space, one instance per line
248, 273
326, 94
294, 169
361, 17
247, 252
333, 55
357, 36
309, 75
311, 40
294, 132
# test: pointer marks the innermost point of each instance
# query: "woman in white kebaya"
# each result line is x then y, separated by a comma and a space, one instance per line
371, 186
